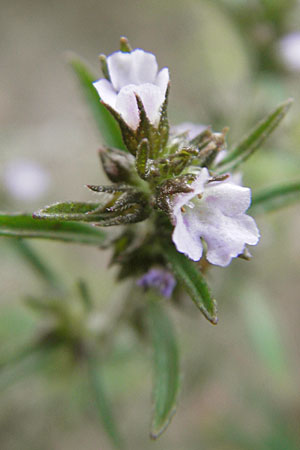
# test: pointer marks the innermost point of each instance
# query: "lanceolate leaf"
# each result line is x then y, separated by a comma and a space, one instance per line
83, 211
166, 368
107, 125
275, 197
247, 146
193, 281
102, 403
24, 226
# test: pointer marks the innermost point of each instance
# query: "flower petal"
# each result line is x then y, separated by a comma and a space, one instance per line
162, 79
198, 188
151, 97
106, 92
136, 67
229, 198
225, 236
186, 238
126, 105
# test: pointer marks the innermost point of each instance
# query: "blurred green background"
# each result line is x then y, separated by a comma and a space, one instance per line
240, 385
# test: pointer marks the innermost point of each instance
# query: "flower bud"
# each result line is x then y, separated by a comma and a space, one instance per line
117, 164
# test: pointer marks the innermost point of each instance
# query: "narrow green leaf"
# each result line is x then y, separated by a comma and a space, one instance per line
251, 142
102, 402
193, 281
166, 368
275, 197
105, 122
23, 225
83, 211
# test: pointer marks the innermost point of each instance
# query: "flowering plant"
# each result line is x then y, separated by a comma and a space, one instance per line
175, 202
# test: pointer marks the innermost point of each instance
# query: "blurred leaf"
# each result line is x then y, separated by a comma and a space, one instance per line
28, 361
107, 125
38, 264
23, 225
52, 305
102, 402
275, 197
247, 146
166, 367
85, 294
17, 356
264, 332
193, 281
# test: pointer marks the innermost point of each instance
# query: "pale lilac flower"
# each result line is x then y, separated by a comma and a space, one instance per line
25, 180
214, 212
289, 47
160, 279
134, 73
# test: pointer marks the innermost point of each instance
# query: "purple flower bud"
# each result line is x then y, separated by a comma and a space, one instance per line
160, 279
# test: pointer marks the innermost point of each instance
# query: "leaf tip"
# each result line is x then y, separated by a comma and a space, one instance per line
212, 316
157, 431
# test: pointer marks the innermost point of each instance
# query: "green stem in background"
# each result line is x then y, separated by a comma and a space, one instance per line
101, 401
275, 197
40, 266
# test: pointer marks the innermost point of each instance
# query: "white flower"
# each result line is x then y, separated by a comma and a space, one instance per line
25, 180
215, 212
289, 47
134, 73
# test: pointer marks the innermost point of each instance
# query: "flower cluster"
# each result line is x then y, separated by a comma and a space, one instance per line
169, 185
169, 173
